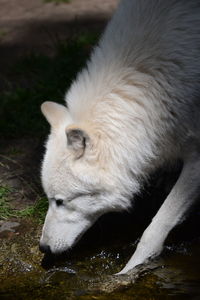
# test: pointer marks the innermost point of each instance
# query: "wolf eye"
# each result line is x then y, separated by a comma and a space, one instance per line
59, 202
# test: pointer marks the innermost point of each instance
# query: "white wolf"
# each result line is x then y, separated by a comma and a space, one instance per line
133, 108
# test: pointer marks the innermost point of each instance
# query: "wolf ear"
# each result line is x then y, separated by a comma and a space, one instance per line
56, 114
77, 140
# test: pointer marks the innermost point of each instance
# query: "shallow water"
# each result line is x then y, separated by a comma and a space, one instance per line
84, 273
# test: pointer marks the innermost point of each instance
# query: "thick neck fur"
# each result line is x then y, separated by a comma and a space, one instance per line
123, 123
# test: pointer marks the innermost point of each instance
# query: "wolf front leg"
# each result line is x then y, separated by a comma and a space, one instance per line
171, 213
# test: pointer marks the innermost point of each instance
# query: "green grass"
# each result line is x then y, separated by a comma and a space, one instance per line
38, 78
5, 210
37, 210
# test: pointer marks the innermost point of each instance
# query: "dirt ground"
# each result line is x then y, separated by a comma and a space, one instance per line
35, 24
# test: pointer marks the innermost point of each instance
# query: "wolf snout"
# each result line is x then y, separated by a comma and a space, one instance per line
45, 248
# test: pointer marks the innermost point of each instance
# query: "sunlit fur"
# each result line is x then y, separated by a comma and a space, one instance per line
137, 100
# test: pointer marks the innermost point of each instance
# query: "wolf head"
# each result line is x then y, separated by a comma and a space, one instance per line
79, 178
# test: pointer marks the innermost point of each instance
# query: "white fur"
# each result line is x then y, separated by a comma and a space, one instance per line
137, 101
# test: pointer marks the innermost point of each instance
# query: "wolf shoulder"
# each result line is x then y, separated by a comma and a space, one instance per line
160, 41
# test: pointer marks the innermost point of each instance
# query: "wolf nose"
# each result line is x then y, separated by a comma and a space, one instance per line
45, 249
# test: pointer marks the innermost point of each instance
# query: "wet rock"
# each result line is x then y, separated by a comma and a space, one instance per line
19, 254
8, 226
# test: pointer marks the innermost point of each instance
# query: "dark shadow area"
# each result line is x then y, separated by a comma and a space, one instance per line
42, 37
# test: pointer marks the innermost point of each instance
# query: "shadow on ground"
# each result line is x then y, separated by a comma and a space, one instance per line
41, 37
